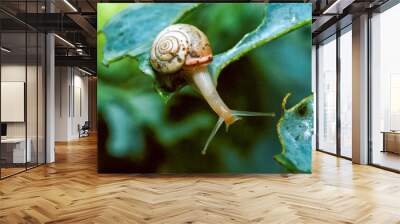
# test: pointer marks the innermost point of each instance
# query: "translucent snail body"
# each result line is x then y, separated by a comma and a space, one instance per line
185, 49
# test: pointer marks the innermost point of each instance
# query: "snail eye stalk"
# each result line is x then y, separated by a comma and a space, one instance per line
212, 134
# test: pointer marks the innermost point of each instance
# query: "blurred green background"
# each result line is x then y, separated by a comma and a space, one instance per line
140, 132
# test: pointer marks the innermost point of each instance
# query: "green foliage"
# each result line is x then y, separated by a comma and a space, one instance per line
280, 19
140, 122
125, 137
295, 130
127, 36
216, 21
120, 70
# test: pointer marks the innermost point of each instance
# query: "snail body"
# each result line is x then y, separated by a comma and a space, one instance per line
184, 49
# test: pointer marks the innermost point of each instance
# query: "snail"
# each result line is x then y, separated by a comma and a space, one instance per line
185, 50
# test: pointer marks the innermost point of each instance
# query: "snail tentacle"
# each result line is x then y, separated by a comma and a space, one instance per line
212, 134
243, 113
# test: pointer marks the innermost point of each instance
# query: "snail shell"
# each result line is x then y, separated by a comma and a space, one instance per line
178, 47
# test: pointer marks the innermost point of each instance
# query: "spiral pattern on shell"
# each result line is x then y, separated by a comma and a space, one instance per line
169, 50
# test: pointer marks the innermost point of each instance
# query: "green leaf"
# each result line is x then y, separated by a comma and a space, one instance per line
280, 19
126, 137
108, 10
126, 34
145, 66
295, 129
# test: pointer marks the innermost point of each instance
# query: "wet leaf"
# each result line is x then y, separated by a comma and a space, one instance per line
280, 19
126, 34
295, 129
122, 37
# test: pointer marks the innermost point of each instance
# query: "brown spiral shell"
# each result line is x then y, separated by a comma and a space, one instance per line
178, 46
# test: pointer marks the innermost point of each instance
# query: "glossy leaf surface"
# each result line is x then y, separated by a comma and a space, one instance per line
295, 129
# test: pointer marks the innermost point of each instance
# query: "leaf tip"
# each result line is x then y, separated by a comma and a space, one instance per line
284, 101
